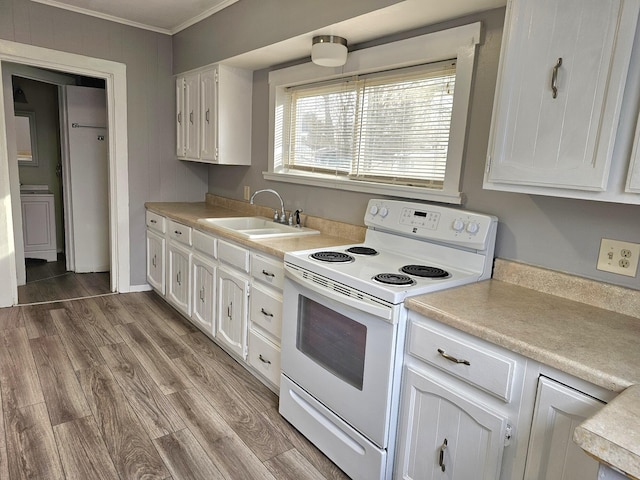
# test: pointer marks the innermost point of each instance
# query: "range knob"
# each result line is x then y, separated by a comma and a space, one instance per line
473, 227
384, 211
458, 225
373, 210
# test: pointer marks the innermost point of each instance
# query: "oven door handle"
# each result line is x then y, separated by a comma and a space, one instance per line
367, 305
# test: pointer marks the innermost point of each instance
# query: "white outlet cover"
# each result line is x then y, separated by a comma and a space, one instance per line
610, 257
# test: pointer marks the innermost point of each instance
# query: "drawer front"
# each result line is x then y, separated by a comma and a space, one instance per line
205, 244
266, 311
156, 222
489, 370
233, 255
267, 270
264, 356
180, 233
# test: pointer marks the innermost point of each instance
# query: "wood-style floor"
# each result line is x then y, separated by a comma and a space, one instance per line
122, 387
50, 282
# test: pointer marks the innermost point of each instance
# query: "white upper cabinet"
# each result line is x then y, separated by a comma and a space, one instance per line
213, 121
560, 92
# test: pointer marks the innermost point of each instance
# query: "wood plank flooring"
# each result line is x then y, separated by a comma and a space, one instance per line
122, 387
50, 282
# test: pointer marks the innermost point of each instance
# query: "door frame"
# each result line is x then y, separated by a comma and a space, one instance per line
114, 74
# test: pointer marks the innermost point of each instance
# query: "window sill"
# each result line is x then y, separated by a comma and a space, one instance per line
340, 183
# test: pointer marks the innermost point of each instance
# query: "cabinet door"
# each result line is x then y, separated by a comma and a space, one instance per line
209, 115
446, 436
178, 281
232, 310
180, 118
192, 116
155, 261
203, 293
552, 453
564, 140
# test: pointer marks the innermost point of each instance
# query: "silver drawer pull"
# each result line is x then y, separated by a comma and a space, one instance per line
268, 362
453, 359
443, 447
554, 78
268, 274
264, 312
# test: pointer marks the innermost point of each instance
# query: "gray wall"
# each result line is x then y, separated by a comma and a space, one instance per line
560, 234
154, 172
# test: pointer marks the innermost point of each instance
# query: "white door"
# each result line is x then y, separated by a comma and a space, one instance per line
552, 453
446, 436
232, 310
88, 174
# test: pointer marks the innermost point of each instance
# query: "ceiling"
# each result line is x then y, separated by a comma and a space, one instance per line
163, 16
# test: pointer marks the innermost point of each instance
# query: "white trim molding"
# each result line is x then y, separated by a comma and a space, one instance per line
114, 74
458, 43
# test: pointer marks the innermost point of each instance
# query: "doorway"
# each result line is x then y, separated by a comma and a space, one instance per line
66, 243
114, 75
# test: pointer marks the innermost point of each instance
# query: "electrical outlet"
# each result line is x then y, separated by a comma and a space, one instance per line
618, 257
247, 192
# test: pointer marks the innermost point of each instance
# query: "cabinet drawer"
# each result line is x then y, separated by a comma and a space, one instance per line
156, 222
266, 311
233, 255
264, 356
267, 270
206, 244
488, 370
179, 232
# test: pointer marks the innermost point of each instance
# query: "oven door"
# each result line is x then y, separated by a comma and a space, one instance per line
342, 356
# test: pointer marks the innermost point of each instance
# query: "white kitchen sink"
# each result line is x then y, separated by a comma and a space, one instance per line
257, 227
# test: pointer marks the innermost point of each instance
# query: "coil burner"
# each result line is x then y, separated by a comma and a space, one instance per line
332, 257
424, 271
393, 279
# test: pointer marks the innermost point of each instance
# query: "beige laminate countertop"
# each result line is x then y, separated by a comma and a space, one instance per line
188, 213
594, 344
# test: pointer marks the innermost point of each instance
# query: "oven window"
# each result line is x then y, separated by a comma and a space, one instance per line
332, 340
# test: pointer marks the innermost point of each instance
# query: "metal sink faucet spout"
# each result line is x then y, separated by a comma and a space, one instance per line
282, 218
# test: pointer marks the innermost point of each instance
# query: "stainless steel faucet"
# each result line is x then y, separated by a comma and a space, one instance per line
280, 219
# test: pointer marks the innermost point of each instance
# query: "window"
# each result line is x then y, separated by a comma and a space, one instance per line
390, 127
394, 123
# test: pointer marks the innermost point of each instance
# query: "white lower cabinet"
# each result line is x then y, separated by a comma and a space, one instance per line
203, 295
231, 315
446, 435
156, 261
552, 453
178, 281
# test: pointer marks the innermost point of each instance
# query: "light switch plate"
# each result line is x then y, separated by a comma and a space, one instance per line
247, 192
618, 257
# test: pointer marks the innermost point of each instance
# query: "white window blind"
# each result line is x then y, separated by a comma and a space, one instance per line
390, 127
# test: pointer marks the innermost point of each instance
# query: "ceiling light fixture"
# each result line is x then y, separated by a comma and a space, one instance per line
329, 50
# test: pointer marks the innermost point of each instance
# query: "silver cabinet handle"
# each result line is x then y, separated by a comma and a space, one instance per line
264, 312
202, 294
153, 261
179, 278
206, 115
230, 311
191, 118
179, 117
268, 362
451, 358
554, 78
443, 447
268, 274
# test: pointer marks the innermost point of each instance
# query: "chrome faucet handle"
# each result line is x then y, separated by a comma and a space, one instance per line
275, 215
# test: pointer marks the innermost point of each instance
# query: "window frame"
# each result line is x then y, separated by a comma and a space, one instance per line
458, 43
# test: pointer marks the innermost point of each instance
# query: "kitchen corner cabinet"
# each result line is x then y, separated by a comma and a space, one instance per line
213, 122
155, 238
561, 86
559, 409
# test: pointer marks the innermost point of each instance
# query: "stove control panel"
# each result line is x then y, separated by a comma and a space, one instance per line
432, 222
